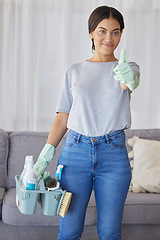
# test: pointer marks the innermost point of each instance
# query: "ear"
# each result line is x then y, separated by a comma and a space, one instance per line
91, 35
121, 32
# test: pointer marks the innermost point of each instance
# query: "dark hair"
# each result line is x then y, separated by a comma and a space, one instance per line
101, 13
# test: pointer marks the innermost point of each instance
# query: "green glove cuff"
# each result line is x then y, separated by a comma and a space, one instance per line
48, 152
134, 84
126, 75
44, 159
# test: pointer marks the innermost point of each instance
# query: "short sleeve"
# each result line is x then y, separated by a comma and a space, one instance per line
135, 68
65, 98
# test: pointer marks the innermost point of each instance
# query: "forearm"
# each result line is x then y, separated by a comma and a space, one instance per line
58, 129
123, 86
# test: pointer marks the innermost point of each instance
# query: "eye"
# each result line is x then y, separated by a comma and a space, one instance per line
116, 33
102, 31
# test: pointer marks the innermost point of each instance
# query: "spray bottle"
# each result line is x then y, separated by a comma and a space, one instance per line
29, 177
58, 173
24, 169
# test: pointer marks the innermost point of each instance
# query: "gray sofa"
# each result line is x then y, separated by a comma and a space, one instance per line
141, 220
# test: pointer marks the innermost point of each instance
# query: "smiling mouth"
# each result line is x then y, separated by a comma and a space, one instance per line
107, 45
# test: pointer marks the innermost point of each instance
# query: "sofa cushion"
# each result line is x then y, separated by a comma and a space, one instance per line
142, 208
3, 157
27, 143
139, 209
2, 190
12, 215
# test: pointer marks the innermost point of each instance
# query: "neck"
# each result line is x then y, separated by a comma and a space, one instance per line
102, 58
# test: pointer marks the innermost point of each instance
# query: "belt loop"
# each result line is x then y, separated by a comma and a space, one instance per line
107, 138
78, 138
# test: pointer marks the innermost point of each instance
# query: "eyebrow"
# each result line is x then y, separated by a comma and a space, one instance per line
112, 30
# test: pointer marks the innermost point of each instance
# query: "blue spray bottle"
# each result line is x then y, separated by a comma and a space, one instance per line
58, 173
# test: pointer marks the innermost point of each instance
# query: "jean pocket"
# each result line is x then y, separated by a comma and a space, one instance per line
70, 141
118, 141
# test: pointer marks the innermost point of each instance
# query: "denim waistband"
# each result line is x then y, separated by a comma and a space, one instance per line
107, 137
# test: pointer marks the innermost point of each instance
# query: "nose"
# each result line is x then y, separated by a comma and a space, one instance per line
108, 38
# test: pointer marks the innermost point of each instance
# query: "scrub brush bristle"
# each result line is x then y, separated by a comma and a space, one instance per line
65, 204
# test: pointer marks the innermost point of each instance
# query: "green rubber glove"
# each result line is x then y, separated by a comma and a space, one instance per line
124, 73
44, 159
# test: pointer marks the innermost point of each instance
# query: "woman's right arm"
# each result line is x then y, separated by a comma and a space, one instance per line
57, 132
58, 129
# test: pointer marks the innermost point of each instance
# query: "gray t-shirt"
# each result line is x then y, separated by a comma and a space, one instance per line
95, 101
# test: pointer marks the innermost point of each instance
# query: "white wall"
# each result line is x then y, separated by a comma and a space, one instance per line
39, 39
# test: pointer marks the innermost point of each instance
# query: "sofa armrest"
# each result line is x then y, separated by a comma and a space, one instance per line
2, 191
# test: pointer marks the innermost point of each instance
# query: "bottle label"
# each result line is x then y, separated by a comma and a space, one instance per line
30, 186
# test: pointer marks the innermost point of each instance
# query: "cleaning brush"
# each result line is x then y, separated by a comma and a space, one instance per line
64, 204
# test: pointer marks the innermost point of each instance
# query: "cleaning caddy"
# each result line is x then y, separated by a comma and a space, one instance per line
48, 193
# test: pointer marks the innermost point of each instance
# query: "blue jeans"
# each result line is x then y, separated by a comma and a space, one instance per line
102, 163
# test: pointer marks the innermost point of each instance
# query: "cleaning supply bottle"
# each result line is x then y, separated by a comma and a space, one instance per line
28, 161
24, 170
58, 173
30, 178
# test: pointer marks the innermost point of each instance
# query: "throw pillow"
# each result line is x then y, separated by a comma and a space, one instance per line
146, 165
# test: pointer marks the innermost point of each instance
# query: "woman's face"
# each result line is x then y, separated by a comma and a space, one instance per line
106, 36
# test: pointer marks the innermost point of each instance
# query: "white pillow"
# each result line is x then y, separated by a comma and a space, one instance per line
146, 165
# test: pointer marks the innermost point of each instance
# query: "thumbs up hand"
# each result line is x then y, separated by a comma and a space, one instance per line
124, 73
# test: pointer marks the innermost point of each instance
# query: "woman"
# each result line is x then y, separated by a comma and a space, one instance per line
94, 105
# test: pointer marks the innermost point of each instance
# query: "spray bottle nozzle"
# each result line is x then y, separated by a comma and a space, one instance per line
58, 173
